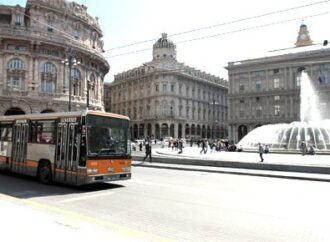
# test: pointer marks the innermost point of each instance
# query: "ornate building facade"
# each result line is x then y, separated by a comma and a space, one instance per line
267, 90
165, 98
50, 49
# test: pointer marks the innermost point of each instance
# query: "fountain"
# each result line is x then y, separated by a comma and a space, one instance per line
312, 129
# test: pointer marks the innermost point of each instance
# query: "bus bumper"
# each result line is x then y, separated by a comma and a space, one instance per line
107, 177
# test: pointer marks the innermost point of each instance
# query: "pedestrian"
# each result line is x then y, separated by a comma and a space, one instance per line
303, 147
204, 147
148, 152
140, 145
180, 146
261, 152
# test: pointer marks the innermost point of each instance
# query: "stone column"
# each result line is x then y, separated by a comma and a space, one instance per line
176, 131
153, 130
145, 133
183, 131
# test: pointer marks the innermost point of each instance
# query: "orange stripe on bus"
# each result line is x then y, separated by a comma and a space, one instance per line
71, 172
103, 165
3, 158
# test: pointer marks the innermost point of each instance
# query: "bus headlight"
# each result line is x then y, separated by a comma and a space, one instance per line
126, 169
93, 170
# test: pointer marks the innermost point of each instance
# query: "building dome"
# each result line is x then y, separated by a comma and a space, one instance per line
164, 49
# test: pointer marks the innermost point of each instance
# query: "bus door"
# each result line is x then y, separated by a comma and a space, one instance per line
67, 152
19, 147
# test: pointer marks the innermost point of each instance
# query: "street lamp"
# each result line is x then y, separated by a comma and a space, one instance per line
70, 61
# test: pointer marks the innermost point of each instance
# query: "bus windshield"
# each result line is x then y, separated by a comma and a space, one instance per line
107, 136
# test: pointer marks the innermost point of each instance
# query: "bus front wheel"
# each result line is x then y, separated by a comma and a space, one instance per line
45, 172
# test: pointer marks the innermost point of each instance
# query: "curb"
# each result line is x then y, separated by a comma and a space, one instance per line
239, 165
245, 172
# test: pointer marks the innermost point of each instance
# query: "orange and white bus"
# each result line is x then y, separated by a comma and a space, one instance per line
74, 148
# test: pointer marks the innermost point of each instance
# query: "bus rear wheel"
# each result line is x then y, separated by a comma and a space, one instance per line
45, 173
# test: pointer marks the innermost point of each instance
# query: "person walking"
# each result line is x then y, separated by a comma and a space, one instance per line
140, 146
261, 152
148, 152
303, 147
204, 147
180, 146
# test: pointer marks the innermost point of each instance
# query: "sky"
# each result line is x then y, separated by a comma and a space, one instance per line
125, 22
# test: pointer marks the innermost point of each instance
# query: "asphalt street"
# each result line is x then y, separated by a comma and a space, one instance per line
161, 204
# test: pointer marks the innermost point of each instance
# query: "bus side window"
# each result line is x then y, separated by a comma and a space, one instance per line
33, 135
6, 132
43, 132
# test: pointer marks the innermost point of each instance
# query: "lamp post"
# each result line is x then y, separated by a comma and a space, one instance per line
70, 61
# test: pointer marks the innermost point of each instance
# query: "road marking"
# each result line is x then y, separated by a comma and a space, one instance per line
125, 231
74, 199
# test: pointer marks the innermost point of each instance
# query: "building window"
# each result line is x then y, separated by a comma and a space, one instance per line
241, 87
94, 38
18, 20
164, 87
277, 110
48, 77
276, 83
76, 32
16, 74
258, 85
76, 81
180, 89
276, 71
241, 113
172, 87
15, 64
276, 98
259, 112
298, 80
156, 87
50, 26
323, 76
257, 99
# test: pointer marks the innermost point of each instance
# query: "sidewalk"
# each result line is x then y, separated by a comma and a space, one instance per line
239, 162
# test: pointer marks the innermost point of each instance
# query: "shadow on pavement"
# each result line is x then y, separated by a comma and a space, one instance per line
21, 186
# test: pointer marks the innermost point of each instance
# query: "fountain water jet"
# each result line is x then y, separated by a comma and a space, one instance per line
287, 137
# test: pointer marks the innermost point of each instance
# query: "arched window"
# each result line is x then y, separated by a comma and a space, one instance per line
16, 64
76, 81
48, 77
16, 74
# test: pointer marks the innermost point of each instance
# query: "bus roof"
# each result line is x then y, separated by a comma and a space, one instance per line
43, 116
